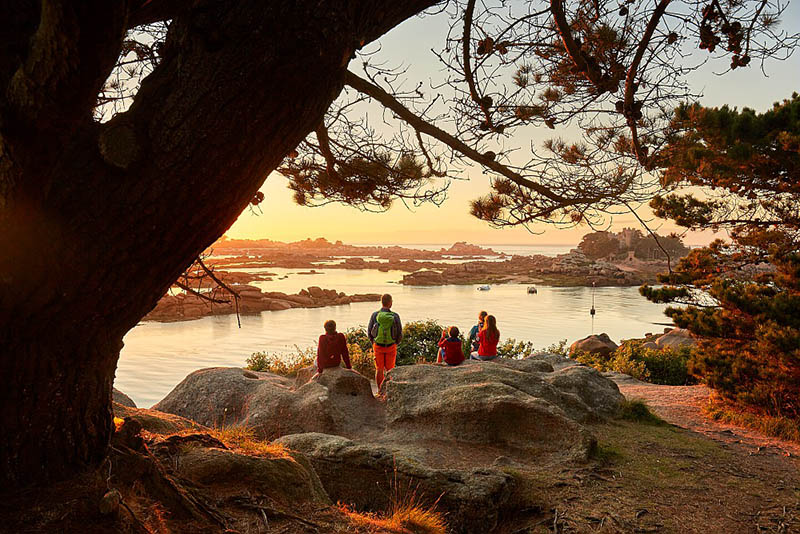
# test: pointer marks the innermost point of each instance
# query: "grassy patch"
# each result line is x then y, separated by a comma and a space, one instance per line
779, 427
638, 412
656, 455
606, 454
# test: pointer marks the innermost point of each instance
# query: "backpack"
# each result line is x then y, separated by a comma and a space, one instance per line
383, 331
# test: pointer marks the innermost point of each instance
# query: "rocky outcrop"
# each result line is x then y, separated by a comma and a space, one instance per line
284, 477
339, 401
675, 339
155, 421
368, 475
416, 442
487, 403
424, 278
120, 398
196, 454
556, 361
594, 344
593, 389
185, 306
518, 403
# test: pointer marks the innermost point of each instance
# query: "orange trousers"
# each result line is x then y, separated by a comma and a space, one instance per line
385, 358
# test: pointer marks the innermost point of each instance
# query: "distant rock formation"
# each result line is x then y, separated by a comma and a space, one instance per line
424, 278
462, 248
185, 306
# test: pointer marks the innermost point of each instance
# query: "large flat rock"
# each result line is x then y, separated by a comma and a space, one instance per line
339, 401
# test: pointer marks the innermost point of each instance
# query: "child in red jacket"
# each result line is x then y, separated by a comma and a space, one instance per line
332, 348
450, 347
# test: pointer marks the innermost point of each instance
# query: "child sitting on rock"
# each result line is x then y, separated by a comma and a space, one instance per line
450, 347
332, 348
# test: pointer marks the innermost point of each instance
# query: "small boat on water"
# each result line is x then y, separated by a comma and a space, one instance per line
484, 288
532, 290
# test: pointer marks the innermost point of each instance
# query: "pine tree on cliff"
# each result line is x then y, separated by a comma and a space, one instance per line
744, 294
103, 207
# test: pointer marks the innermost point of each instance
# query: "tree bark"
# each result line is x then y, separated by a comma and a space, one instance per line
56, 406
96, 221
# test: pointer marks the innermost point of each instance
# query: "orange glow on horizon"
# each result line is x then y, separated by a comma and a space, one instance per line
280, 219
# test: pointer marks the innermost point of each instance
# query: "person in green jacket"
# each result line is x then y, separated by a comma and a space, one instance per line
385, 331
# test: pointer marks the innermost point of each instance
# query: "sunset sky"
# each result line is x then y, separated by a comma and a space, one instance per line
410, 43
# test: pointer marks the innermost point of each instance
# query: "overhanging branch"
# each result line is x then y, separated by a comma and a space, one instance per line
630, 82
422, 126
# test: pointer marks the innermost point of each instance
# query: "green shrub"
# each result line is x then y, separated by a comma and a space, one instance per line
511, 348
357, 335
627, 363
420, 342
558, 348
363, 361
282, 364
659, 366
288, 364
598, 361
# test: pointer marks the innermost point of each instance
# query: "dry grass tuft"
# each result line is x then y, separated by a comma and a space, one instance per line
407, 519
778, 427
418, 519
244, 440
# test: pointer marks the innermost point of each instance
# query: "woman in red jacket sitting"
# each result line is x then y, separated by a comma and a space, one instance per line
332, 348
488, 337
450, 347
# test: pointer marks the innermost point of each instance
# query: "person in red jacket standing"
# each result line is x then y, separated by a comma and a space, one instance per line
332, 348
450, 350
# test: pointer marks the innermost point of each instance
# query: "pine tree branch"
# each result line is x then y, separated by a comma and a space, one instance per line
422, 126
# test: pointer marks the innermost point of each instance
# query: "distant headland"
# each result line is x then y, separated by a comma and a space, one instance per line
627, 258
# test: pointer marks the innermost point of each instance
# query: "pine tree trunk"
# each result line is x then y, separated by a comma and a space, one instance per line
56, 405
98, 220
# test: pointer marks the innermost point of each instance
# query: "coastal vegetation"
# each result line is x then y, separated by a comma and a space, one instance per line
668, 366
740, 298
632, 242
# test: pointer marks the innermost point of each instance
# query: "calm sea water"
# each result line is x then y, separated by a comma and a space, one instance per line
157, 356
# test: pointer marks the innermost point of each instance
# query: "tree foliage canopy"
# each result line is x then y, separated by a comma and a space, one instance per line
743, 296
615, 72
598, 245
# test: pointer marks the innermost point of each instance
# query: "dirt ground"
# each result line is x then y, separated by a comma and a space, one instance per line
683, 406
690, 475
